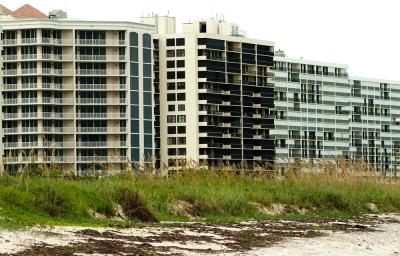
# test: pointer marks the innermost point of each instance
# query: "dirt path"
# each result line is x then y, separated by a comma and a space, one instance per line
319, 236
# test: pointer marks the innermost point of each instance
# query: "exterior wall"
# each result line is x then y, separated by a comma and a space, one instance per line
68, 94
222, 97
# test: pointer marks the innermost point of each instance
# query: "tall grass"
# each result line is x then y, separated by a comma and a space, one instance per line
219, 193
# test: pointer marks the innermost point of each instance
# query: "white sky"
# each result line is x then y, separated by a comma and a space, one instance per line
364, 34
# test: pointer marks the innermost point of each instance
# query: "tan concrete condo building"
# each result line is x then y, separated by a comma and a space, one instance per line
215, 92
76, 93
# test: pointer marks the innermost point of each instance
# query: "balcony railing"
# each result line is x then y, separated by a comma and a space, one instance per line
10, 115
29, 56
99, 42
92, 72
94, 144
29, 114
10, 144
92, 115
101, 129
29, 86
10, 87
28, 100
11, 101
25, 71
10, 72
101, 158
10, 57
11, 130
29, 129
9, 41
91, 100
28, 41
29, 144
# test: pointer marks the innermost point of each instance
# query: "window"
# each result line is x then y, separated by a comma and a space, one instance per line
171, 86
172, 129
133, 39
146, 55
180, 85
181, 107
171, 107
146, 40
181, 118
171, 119
181, 151
172, 151
171, 97
180, 53
170, 53
171, 42
170, 64
171, 75
203, 27
146, 70
180, 41
180, 74
181, 140
181, 129
180, 63
171, 141
180, 96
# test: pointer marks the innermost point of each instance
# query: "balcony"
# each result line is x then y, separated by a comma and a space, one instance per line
101, 86
29, 86
58, 144
90, 144
10, 159
58, 41
51, 129
28, 56
28, 71
28, 41
29, 144
10, 130
101, 57
101, 158
90, 41
91, 72
9, 41
29, 129
91, 100
10, 115
101, 129
10, 87
50, 100
68, 159
92, 115
28, 100
10, 57
29, 114
9, 145
11, 101
10, 72
57, 115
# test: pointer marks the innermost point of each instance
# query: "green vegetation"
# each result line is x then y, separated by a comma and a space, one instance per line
211, 195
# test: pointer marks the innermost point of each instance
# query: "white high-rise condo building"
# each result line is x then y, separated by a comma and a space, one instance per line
76, 93
215, 92
322, 113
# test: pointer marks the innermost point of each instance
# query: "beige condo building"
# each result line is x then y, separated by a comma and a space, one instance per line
78, 94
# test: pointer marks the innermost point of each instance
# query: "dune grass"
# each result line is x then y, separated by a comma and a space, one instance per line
214, 194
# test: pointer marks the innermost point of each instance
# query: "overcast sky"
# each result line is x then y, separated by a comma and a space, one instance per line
364, 34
